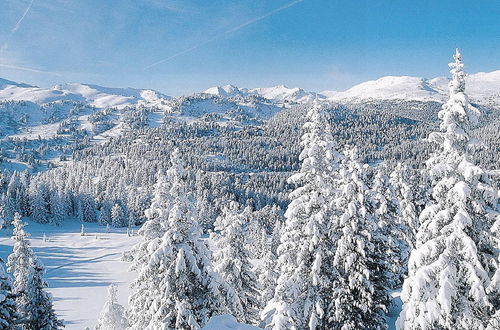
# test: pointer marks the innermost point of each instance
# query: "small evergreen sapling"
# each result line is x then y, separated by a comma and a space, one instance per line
112, 316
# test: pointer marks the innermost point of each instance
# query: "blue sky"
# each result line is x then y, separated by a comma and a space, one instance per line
185, 46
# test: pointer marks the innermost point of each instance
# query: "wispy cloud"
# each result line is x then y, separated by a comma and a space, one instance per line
24, 68
167, 5
260, 18
16, 27
225, 33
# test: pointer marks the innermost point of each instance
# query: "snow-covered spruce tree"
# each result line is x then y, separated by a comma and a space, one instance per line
232, 260
112, 316
85, 208
268, 274
493, 289
11, 201
19, 264
118, 217
32, 302
39, 203
177, 287
39, 311
4, 222
391, 242
303, 287
8, 314
451, 266
15, 198
57, 207
157, 220
256, 240
402, 180
359, 296
104, 217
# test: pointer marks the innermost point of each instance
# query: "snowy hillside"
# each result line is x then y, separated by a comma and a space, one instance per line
482, 88
389, 88
93, 95
236, 107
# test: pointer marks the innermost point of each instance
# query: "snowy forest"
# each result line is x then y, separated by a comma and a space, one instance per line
239, 211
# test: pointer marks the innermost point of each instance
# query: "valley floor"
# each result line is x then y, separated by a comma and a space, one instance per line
79, 268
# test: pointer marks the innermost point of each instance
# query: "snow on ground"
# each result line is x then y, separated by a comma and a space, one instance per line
46, 131
79, 269
226, 322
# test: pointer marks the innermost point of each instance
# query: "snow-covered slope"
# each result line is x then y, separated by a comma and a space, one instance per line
226, 322
225, 91
278, 94
97, 96
237, 107
390, 88
481, 87
283, 93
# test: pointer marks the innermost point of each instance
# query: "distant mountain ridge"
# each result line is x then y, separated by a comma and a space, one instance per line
482, 87
280, 93
93, 95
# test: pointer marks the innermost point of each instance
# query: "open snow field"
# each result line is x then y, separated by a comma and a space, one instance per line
79, 268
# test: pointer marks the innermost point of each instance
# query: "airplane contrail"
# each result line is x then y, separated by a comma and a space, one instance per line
22, 17
230, 31
18, 24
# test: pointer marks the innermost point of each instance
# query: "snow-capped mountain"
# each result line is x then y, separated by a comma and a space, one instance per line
279, 94
93, 95
481, 87
283, 93
225, 91
389, 88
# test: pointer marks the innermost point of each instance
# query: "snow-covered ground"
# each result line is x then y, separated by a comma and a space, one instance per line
79, 269
226, 322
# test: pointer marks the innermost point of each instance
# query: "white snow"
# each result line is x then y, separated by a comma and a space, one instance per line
279, 93
225, 91
481, 87
79, 269
98, 96
226, 322
389, 88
